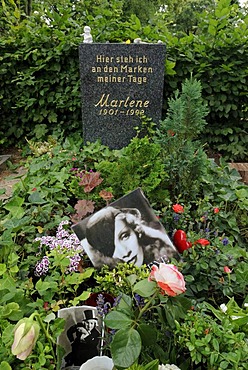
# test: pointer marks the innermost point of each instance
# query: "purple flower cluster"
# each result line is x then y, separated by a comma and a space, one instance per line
62, 242
74, 263
225, 241
176, 217
42, 267
139, 301
102, 306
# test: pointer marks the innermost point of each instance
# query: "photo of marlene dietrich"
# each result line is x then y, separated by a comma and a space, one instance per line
81, 338
116, 234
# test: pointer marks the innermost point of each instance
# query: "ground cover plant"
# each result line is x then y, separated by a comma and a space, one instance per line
199, 324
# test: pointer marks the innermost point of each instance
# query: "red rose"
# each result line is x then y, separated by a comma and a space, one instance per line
216, 210
177, 208
202, 242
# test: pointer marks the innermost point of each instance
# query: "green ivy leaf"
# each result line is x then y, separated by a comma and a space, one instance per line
14, 206
50, 317
83, 297
36, 198
9, 309
3, 268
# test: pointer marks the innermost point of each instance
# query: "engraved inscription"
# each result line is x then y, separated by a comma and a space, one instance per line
134, 69
121, 69
105, 101
121, 84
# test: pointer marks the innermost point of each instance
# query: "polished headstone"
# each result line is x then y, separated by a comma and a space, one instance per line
119, 84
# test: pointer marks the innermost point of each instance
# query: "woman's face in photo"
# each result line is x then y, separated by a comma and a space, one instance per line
90, 324
127, 246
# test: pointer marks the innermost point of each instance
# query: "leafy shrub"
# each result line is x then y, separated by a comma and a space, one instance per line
138, 165
216, 55
47, 196
213, 344
183, 156
40, 91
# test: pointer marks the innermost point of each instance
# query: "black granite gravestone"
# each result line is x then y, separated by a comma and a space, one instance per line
119, 83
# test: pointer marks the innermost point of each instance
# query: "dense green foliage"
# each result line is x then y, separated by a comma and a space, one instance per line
216, 54
184, 157
40, 85
215, 211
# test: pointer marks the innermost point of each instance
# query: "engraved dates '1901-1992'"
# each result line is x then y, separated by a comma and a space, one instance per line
115, 112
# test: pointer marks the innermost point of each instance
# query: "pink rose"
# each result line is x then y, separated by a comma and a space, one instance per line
168, 278
177, 208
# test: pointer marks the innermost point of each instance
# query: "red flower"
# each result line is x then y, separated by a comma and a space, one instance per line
34, 189
216, 210
180, 241
177, 208
227, 270
74, 159
202, 242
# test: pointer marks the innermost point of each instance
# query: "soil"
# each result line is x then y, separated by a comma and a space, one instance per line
10, 175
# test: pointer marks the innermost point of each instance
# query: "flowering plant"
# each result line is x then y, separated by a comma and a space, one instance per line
216, 338
64, 243
138, 319
56, 274
26, 333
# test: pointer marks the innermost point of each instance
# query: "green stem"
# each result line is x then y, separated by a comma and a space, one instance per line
146, 306
50, 339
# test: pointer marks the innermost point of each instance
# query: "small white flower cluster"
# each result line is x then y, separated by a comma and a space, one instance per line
168, 367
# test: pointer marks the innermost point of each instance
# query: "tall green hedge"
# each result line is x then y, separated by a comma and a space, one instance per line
39, 66
39, 69
39, 79
217, 55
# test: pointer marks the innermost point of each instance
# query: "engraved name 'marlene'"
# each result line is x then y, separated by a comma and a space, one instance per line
106, 101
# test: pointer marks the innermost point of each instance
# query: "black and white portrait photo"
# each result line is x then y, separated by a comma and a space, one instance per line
125, 231
81, 337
